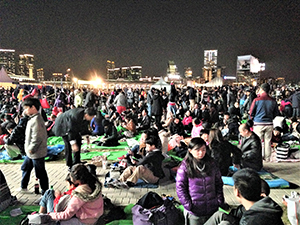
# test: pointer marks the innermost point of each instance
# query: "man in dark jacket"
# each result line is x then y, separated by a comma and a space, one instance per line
148, 169
16, 139
145, 122
247, 189
70, 126
255, 208
251, 148
157, 106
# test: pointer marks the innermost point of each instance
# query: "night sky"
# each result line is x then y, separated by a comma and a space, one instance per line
82, 35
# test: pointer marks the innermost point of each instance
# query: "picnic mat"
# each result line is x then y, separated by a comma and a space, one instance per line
271, 179
51, 152
112, 156
6, 218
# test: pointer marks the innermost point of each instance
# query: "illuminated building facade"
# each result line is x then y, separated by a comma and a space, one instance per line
40, 74
125, 73
57, 76
188, 73
7, 60
26, 65
110, 66
172, 72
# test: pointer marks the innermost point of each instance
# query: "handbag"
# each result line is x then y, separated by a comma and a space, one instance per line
282, 151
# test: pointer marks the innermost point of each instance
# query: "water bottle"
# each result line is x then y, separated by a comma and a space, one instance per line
37, 187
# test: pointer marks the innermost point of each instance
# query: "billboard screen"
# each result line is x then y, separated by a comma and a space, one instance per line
210, 57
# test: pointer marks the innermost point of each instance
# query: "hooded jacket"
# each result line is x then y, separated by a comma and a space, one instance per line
85, 204
264, 211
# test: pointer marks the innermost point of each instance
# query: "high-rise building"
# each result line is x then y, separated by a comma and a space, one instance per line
40, 74
7, 60
57, 76
136, 72
26, 65
110, 66
172, 72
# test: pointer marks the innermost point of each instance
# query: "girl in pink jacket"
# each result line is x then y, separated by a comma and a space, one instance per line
86, 202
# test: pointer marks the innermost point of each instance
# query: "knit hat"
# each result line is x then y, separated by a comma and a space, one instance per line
265, 87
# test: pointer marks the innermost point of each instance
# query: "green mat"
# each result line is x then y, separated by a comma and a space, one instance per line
7, 219
112, 156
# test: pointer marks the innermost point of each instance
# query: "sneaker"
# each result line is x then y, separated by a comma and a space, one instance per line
24, 191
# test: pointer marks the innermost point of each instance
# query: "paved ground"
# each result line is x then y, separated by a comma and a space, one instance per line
57, 172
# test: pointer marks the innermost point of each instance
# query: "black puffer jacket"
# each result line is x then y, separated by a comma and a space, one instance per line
251, 152
17, 136
225, 154
157, 105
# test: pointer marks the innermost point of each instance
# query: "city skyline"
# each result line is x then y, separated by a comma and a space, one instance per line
82, 35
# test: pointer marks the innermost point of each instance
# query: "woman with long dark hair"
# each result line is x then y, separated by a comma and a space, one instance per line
199, 184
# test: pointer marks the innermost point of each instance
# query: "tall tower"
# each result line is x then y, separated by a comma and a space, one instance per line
7, 60
110, 66
40, 74
26, 65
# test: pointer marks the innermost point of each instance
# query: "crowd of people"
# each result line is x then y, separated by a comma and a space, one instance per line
199, 124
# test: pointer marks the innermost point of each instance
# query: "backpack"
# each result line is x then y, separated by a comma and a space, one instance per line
5, 195
164, 214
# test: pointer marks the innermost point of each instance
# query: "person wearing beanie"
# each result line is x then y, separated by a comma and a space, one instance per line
262, 111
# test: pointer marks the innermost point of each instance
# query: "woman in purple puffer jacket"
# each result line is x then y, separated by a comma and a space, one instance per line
199, 184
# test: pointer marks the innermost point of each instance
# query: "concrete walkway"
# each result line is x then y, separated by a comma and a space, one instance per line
57, 172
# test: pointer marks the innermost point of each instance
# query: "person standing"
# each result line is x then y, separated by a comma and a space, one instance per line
120, 102
192, 96
262, 111
199, 184
70, 126
35, 146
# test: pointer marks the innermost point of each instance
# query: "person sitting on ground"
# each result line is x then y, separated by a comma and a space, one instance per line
14, 142
148, 169
247, 190
51, 199
187, 121
276, 136
197, 127
130, 126
224, 153
97, 124
295, 132
168, 120
111, 135
250, 147
176, 127
86, 204
137, 152
145, 121
49, 125
236, 214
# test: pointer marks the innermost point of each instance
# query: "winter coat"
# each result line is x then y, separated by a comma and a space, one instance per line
201, 196
90, 99
157, 105
17, 136
192, 93
78, 100
221, 152
264, 109
251, 152
153, 161
177, 128
86, 205
36, 137
264, 211
120, 100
